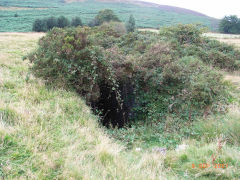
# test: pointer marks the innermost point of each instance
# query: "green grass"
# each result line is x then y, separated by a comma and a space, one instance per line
49, 133
145, 16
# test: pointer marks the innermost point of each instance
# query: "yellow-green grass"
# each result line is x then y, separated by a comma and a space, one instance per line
226, 38
149, 29
49, 133
223, 36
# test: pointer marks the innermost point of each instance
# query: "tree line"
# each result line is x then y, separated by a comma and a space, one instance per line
106, 15
46, 24
230, 25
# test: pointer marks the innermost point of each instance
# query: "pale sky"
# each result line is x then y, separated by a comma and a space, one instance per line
213, 8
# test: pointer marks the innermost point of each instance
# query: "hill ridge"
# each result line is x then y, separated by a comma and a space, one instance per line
150, 4
147, 15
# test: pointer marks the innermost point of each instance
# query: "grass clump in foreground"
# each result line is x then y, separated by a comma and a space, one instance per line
55, 136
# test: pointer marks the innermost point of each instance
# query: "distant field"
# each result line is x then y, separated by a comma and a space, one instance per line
223, 36
147, 16
149, 29
226, 38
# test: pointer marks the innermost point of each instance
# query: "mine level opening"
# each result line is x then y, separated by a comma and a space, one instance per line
113, 112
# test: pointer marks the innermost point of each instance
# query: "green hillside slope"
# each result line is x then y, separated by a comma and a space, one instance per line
147, 15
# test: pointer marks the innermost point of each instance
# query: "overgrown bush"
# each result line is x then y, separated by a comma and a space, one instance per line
230, 25
39, 25
51, 22
62, 22
76, 22
70, 57
130, 25
106, 15
138, 76
189, 41
182, 86
185, 34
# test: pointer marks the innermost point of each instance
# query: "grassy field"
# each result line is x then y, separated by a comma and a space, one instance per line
226, 38
49, 133
29, 10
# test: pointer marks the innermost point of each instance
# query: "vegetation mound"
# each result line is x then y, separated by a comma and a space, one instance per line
138, 76
49, 133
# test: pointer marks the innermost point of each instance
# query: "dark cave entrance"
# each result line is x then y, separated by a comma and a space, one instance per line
114, 113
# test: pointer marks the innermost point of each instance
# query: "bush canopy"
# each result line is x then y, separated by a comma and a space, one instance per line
230, 25
144, 75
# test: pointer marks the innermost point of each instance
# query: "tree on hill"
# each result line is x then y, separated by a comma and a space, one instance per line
105, 15
39, 25
63, 22
230, 25
76, 22
51, 23
130, 25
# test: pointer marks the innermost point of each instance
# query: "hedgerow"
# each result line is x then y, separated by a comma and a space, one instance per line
139, 76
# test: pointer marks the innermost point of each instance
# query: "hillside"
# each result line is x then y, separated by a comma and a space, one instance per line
148, 15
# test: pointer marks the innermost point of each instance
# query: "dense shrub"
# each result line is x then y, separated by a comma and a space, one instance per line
130, 25
106, 15
184, 34
188, 40
140, 75
230, 25
70, 57
51, 22
137, 42
46, 24
62, 22
76, 22
39, 25
183, 86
